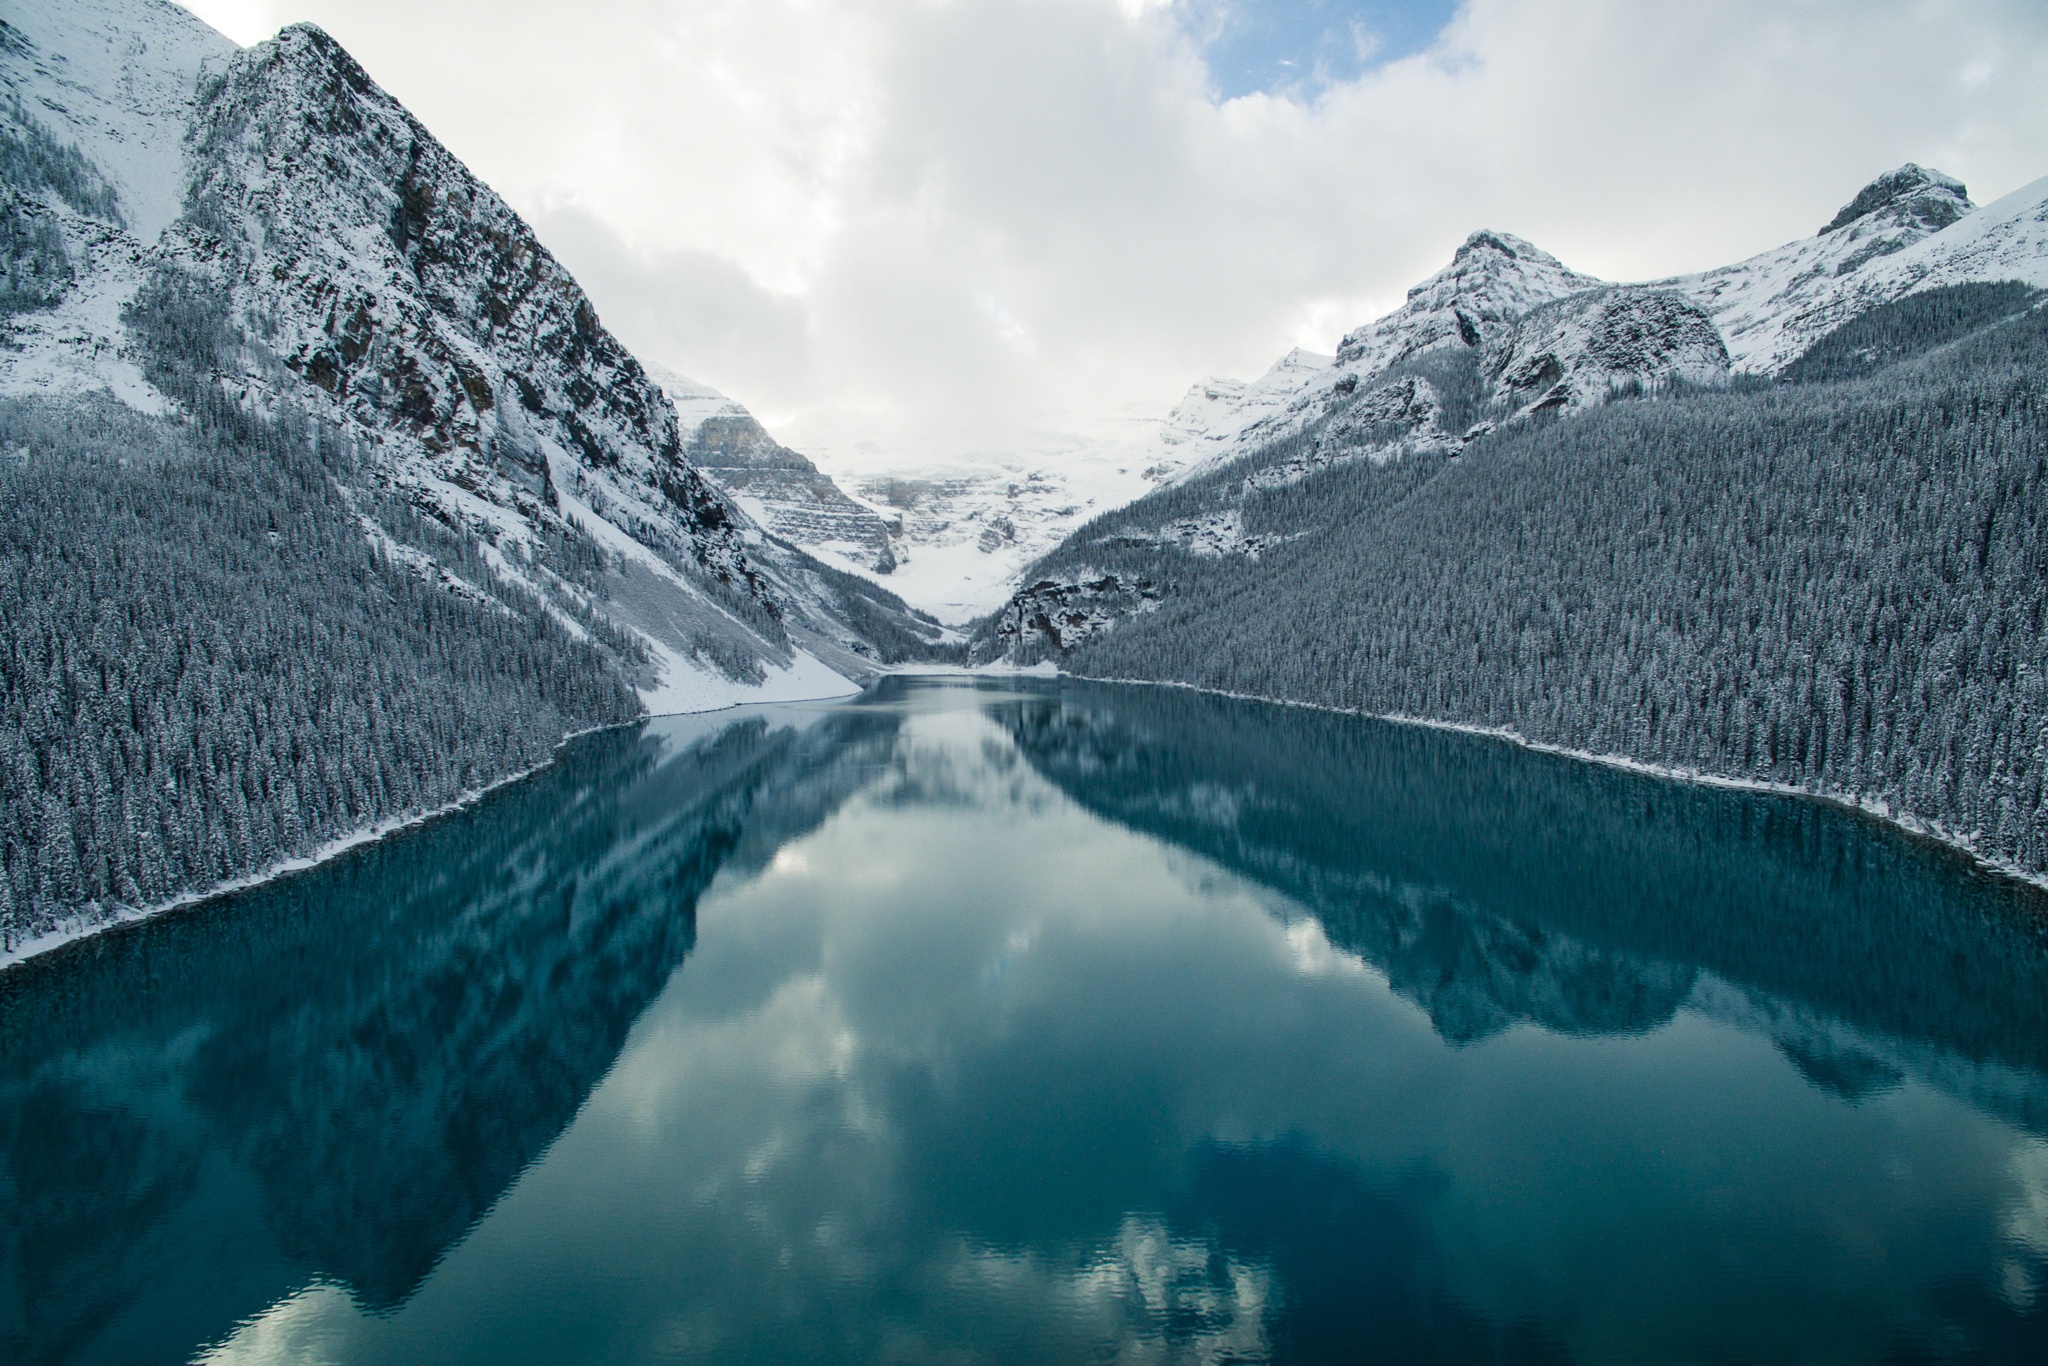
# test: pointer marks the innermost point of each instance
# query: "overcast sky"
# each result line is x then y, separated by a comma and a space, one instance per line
945, 226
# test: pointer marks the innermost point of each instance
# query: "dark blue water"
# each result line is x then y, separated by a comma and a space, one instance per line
1043, 1024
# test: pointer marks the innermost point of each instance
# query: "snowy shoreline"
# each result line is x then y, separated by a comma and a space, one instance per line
79, 928
1865, 806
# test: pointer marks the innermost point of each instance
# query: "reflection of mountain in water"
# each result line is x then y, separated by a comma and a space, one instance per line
1493, 885
333, 1077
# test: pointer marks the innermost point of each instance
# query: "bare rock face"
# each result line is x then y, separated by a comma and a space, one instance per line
1577, 351
1052, 616
373, 266
1409, 404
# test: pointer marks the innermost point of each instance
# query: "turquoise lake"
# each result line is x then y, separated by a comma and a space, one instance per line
1041, 1021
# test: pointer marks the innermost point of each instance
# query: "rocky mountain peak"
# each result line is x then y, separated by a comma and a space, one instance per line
1493, 278
405, 291
1486, 240
1927, 199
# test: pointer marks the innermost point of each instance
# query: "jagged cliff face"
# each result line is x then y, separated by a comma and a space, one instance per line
778, 487
377, 269
268, 231
1493, 279
1576, 351
1055, 615
1773, 306
1910, 197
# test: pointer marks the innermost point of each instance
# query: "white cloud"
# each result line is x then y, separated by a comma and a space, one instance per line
957, 222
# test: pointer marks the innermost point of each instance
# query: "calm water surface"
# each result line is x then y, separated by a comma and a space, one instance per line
1049, 1023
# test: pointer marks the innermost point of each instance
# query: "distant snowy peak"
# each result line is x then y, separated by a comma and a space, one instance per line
777, 487
1552, 338
1221, 413
695, 403
1911, 194
1773, 306
1492, 280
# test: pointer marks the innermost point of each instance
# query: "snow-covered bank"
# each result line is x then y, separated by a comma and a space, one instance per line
686, 688
1045, 668
1876, 808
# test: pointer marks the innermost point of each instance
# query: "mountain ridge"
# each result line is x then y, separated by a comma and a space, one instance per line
1911, 228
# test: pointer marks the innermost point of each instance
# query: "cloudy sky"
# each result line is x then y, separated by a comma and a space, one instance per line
941, 227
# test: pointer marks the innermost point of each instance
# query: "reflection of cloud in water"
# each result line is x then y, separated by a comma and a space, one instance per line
2026, 1227
1146, 1296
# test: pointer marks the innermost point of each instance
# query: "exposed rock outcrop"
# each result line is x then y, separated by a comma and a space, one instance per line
1577, 351
1055, 615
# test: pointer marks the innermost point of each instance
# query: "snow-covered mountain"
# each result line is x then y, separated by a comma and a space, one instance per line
1550, 337
1774, 305
1538, 336
965, 520
306, 246
1493, 279
1574, 351
778, 487
114, 82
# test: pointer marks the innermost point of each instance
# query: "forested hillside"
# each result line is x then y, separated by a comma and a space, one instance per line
1838, 584
209, 666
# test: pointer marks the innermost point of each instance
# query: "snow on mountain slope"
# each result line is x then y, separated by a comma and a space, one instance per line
779, 488
1774, 305
107, 89
118, 79
1909, 229
1493, 279
2005, 240
388, 286
1220, 414
969, 530
303, 244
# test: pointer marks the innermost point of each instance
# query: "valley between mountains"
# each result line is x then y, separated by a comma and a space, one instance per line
329, 499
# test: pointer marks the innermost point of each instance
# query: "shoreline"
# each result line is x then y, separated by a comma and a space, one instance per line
1870, 807
375, 832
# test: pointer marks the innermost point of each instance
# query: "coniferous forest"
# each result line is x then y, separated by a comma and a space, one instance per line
208, 666
1837, 582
